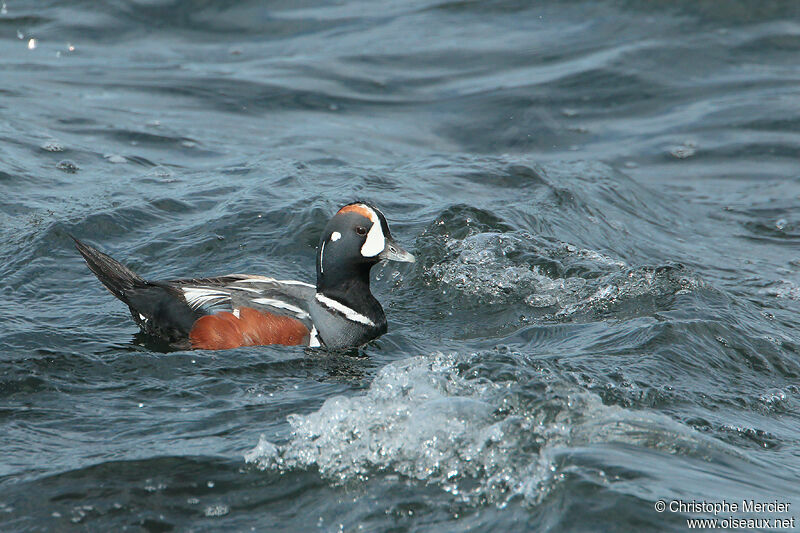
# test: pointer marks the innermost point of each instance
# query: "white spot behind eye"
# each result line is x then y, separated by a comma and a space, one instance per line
335, 236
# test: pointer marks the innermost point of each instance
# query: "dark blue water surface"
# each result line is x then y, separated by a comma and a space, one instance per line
604, 197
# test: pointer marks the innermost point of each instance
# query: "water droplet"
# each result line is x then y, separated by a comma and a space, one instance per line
67, 166
160, 172
774, 396
115, 158
31, 44
684, 151
217, 510
52, 146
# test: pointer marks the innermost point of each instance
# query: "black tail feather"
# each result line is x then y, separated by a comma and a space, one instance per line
158, 308
114, 275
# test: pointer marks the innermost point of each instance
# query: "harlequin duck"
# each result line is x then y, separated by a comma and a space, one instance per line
339, 312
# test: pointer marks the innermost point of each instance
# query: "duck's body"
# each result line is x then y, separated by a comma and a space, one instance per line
248, 310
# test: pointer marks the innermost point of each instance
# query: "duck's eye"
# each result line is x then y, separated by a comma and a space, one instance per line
361, 230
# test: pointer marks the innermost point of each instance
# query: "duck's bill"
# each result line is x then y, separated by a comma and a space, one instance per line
393, 252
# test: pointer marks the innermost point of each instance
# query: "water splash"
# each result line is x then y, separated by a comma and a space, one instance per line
481, 440
497, 268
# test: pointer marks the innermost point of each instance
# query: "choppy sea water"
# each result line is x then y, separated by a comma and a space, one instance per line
604, 198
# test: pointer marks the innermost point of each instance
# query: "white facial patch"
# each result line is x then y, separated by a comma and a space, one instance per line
375, 242
335, 236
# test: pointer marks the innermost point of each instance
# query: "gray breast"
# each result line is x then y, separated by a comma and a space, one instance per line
336, 331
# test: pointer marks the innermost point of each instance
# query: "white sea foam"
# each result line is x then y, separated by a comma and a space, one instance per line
495, 268
782, 289
476, 438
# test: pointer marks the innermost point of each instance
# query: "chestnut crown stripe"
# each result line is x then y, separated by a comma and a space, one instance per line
361, 209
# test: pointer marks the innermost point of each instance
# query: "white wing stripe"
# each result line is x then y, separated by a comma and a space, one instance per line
343, 309
199, 296
278, 304
248, 289
277, 281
